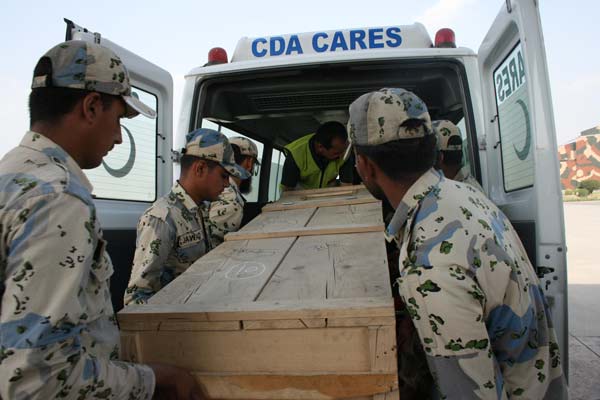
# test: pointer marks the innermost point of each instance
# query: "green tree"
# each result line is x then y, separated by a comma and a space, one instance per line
590, 185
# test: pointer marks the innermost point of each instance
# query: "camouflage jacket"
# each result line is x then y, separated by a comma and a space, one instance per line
473, 295
225, 214
58, 333
171, 235
464, 175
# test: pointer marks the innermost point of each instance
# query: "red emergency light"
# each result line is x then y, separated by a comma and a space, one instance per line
217, 55
445, 38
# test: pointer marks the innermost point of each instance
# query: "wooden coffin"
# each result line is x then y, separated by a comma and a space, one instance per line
296, 305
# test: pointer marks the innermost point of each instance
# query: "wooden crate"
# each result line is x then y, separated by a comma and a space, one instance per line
296, 305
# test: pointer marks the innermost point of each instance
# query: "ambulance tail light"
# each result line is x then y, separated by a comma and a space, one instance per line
217, 55
444, 38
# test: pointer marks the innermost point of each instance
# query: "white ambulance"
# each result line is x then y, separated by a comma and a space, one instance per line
279, 88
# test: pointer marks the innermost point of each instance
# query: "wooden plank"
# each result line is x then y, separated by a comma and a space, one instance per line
394, 395
286, 323
331, 194
130, 348
184, 286
302, 192
362, 321
294, 205
332, 266
298, 351
369, 213
258, 310
308, 231
294, 387
382, 343
244, 272
280, 221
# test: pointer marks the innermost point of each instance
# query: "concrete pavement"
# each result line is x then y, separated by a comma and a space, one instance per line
582, 223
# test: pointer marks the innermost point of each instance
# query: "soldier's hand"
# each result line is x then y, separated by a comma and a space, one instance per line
174, 383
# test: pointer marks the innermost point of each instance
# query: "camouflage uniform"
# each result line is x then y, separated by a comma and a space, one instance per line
226, 214
172, 234
464, 175
58, 333
446, 132
59, 336
465, 278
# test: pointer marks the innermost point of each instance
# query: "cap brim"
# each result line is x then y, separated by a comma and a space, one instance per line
135, 107
348, 151
236, 170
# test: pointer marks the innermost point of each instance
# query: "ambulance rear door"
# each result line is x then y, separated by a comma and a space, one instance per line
138, 171
522, 158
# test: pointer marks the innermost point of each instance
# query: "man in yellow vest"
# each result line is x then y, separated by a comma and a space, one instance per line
315, 161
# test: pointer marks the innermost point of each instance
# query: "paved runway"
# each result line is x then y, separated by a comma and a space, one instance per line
582, 221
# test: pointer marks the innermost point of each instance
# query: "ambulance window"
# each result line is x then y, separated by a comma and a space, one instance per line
277, 160
514, 121
466, 156
251, 197
128, 172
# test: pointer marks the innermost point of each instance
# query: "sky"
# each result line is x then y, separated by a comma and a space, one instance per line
177, 35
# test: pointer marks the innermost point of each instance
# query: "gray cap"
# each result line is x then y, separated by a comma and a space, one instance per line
378, 117
77, 64
448, 135
212, 145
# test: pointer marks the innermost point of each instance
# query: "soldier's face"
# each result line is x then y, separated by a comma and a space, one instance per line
217, 179
106, 131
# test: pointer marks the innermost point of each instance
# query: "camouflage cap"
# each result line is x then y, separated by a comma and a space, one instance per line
77, 64
212, 145
247, 147
378, 117
448, 135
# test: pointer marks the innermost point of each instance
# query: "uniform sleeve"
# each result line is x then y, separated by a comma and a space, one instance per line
447, 305
290, 175
155, 239
225, 216
56, 311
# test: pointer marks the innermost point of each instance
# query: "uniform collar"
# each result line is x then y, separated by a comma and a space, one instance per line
411, 199
462, 174
38, 142
180, 194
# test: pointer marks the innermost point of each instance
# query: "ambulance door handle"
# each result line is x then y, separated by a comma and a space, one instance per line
160, 136
508, 6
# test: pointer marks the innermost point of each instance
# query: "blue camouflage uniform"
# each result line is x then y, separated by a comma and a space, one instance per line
58, 333
172, 234
465, 278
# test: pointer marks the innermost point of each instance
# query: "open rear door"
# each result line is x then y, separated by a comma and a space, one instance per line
137, 172
522, 153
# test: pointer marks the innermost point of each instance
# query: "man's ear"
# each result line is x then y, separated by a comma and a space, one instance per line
200, 168
91, 106
367, 167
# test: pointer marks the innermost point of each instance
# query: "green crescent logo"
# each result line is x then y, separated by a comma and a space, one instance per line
524, 152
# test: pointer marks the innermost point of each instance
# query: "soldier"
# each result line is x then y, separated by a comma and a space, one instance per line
450, 156
59, 336
172, 234
469, 287
225, 214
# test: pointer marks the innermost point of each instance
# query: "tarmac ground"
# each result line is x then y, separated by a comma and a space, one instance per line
582, 223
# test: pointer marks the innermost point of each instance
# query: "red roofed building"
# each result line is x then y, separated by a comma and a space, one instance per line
580, 159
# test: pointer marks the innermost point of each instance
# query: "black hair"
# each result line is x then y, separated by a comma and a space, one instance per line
237, 154
330, 130
453, 157
403, 158
187, 161
50, 104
